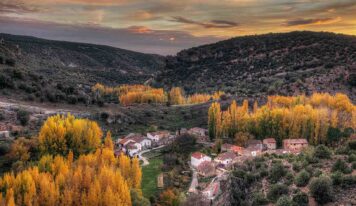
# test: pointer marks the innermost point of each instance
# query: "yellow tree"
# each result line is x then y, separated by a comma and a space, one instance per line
214, 120
136, 173
108, 141
176, 96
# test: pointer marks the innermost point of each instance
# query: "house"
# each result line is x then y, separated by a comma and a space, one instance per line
212, 191
226, 158
144, 142
181, 131
232, 148
226, 147
198, 131
133, 148
197, 158
270, 143
255, 144
157, 137
295, 145
206, 169
4, 135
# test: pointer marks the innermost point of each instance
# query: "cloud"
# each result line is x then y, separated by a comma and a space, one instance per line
135, 38
317, 21
210, 24
14, 6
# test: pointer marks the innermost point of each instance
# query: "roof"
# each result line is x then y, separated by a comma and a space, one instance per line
198, 155
269, 140
137, 138
124, 141
197, 129
159, 133
206, 167
295, 141
235, 148
254, 142
227, 146
213, 187
131, 145
226, 156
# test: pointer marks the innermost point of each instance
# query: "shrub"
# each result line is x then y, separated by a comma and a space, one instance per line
301, 199
348, 181
354, 165
321, 189
352, 144
322, 152
259, 199
276, 172
23, 116
302, 178
352, 158
296, 166
317, 173
336, 177
340, 165
284, 201
289, 178
276, 191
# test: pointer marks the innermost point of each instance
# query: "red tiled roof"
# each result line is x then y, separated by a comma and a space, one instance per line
295, 141
225, 156
236, 149
198, 155
269, 140
205, 167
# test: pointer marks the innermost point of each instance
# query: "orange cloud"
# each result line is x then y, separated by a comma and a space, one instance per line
316, 21
139, 29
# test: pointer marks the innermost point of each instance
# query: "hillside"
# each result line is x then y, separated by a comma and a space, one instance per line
52, 70
253, 66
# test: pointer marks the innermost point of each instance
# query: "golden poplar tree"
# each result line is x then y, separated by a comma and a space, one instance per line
214, 120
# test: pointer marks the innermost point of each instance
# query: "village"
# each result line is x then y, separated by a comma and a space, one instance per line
207, 171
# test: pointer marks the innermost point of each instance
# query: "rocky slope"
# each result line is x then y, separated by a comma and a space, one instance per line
78, 62
288, 63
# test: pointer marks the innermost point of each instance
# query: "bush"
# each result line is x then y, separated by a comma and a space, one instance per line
289, 178
340, 165
321, 189
284, 201
348, 181
276, 172
277, 190
352, 158
259, 199
302, 178
354, 165
352, 144
301, 199
336, 177
23, 116
296, 166
322, 152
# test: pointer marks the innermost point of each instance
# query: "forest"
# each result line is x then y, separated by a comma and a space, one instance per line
320, 118
70, 163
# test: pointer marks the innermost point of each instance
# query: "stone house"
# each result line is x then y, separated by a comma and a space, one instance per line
270, 143
197, 158
295, 145
206, 169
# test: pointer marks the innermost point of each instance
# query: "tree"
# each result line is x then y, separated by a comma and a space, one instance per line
322, 152
241, 138
108, 141
214, 120
176, 96
302, 178
321, 189
60, 134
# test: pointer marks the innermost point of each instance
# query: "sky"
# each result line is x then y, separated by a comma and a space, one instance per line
168, 26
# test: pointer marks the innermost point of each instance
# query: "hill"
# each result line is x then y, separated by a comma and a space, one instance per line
253, 66
29, 63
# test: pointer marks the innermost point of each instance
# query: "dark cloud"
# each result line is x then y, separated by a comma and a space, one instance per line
13, 6
136, 38
297, 22
210, 24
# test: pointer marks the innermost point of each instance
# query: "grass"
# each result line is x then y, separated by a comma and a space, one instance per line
149, 176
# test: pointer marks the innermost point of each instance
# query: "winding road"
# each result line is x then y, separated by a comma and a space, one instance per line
145, 159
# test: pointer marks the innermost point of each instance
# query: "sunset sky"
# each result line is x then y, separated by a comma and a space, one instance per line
165, 27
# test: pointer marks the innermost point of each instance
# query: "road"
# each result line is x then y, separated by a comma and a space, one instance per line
194, 184
143, 158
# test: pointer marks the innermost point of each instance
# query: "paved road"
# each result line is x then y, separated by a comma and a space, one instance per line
143, 158
194, 184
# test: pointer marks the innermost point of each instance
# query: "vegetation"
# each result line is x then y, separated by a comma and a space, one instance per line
149, 176
286, 117
321, 189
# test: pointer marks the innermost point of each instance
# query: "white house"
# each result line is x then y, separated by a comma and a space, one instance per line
270, 143
198, 131
225, 158
158, 136
133, 148
197, 158
4, 135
